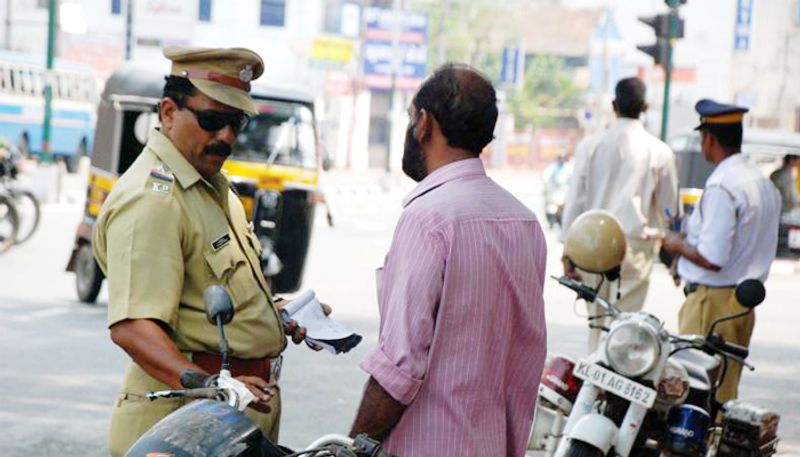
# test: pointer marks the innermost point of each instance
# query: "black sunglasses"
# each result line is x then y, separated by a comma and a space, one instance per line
214, 121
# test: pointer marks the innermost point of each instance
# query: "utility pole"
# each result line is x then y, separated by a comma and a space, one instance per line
441, 51
128, 29
673, 33
7, 40
48, 85
396, 62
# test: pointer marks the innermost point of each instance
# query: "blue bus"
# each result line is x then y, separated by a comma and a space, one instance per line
75, 96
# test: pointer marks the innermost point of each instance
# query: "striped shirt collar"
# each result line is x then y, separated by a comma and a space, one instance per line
450, 172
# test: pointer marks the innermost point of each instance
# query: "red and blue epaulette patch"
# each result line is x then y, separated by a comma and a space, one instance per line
162, 174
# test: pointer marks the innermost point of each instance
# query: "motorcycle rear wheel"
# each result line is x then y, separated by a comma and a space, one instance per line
29, 214
581, 449
9, 223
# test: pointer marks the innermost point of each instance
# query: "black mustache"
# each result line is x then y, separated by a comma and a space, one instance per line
219, 149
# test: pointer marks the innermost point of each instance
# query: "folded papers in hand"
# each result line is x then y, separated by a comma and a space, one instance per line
321, 330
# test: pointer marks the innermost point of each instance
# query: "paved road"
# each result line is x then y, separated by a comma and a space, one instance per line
60, 372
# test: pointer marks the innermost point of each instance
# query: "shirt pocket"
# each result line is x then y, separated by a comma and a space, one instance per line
231, 270
254, 242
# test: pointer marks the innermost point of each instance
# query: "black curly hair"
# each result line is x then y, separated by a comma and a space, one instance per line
463, 102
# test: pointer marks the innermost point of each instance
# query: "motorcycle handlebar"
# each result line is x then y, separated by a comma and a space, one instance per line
735, 350
206, 392
585, 292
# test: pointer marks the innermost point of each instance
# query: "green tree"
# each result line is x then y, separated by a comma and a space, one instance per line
549, 93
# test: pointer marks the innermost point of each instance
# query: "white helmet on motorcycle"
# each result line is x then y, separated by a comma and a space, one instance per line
595, 243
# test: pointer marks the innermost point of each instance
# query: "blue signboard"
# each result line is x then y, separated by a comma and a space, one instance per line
744, 21
407, 61
512, 65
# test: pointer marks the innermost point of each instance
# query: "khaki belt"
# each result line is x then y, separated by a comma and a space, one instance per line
264, 368
691, 287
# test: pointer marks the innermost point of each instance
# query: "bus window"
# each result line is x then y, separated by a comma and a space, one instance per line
38, 83
31, 88
63, 86
13, 77
4, 83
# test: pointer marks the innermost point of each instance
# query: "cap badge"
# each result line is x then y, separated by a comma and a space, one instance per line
246, 73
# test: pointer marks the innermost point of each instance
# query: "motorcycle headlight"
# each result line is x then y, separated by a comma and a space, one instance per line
632, 348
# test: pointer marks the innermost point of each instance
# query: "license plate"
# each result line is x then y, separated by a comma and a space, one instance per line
794, 238
616, 384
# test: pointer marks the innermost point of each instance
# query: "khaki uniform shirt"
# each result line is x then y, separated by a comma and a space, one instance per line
164, 235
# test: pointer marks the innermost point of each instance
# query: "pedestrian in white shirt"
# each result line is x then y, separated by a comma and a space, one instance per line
630, 173
731, 235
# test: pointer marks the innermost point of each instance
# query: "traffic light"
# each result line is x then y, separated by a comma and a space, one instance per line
657, 51
660, 24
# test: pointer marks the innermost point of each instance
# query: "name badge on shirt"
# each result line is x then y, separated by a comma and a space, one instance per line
220, 242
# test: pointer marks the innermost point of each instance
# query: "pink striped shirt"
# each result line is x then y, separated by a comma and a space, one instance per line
462, 334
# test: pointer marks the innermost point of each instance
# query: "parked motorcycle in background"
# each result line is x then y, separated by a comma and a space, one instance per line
642, 391
556, 183
645, 392
215, 426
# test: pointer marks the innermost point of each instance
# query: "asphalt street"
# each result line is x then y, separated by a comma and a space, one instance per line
60, 372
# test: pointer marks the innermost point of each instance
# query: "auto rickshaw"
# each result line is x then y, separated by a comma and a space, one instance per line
274, 167
763, 147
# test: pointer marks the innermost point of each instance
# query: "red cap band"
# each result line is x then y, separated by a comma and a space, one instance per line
217, 77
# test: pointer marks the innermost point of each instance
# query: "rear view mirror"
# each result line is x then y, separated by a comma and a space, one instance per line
750, 293
218, 304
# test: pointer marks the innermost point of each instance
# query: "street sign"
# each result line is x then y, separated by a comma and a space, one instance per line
744, 20
513, 66
395, 45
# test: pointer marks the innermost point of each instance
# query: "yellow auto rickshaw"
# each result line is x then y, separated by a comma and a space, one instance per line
274, 167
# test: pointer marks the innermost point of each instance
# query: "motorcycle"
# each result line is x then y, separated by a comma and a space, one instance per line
556, 184
214, 424
646, 392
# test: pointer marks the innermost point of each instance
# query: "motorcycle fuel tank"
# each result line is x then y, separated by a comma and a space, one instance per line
203, 427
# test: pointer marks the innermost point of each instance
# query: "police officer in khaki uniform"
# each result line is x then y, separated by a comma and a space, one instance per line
730, 236
171, 227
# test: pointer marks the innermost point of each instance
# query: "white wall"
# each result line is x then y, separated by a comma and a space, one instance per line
766, 75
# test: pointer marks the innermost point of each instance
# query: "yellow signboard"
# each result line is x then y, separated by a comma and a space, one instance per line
332, 49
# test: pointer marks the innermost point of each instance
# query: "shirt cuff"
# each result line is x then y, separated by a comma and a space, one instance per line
394, 380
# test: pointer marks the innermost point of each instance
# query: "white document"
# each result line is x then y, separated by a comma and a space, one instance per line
321, 330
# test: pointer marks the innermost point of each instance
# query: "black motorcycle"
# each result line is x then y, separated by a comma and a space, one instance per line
215, 426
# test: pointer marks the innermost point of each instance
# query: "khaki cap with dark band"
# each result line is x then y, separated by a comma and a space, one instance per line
223, 74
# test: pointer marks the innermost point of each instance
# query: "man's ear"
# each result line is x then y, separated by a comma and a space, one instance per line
166, 112
424, 128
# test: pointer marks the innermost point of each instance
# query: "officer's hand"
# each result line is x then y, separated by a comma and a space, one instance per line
673, 271
570, 271
262, 390
673, 242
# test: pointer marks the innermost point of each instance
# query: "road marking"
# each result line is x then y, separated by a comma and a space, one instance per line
41, 314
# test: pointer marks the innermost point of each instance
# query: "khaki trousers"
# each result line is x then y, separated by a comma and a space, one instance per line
697, 314
133, 414
631, 287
